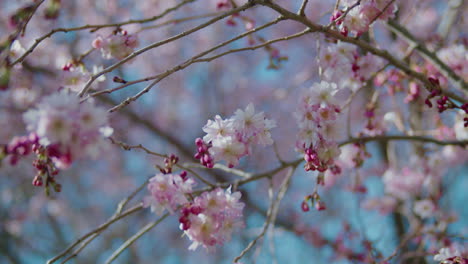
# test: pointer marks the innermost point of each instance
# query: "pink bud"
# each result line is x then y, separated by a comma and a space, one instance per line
97, 43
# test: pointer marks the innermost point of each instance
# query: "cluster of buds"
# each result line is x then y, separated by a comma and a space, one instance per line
203, 153
169, 162
20, 146
184, 219
443, 102
314, 200
337, 19
320, 158
46, 170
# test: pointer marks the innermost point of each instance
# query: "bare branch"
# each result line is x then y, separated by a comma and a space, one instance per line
160, 43
187, 63
462, 143
267, 43
134, 238
363, 45
302, 8
271, 214
428, 55
97, 27
99, 229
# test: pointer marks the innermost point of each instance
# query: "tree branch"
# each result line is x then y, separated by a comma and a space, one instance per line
97, 27
160, 43
426, 54
187, 63
363, 45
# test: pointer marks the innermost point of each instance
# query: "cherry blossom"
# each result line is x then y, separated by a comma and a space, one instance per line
217, 214
118, 45
233, 138
74, 129
424, 208
167, 192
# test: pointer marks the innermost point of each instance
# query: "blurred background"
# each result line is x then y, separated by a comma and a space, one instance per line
34, 227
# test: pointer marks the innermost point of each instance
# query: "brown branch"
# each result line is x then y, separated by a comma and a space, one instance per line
271, 213
97, 27
187, 63
160, 43
99, 229
302, 8
426, 54
135, 237
462, 143
361, 44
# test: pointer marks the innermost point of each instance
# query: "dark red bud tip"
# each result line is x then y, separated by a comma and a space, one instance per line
37, 181
305, 206
320, 206
183, 175
199, 142
428, 103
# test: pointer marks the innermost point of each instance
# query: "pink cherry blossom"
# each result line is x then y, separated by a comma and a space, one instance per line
167, 192
219, 213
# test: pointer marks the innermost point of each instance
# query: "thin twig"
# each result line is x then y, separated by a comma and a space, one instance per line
302, 8
461, 143
99, 229
135, 237
426, 54
160, 43
271, 214
192, 60
97, 27
266, 43
140, 146
187, 63
363, 45
181, 20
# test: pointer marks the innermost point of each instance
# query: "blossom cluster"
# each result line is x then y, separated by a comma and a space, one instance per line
421, 178
232, 138
75, 75
208, 220
316, 117
69, 129
342, 64
168, 191
451, 255
212, 217
360, 17
118, 45
45, 167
